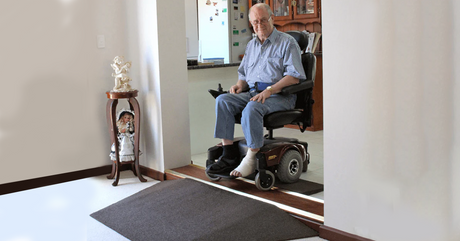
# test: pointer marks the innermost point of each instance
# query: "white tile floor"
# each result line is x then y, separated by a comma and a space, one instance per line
315, 148
61, 212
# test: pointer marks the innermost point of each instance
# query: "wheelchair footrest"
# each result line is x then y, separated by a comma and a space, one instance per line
223, 175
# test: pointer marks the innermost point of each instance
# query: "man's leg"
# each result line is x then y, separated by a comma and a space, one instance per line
227, 106
253, 129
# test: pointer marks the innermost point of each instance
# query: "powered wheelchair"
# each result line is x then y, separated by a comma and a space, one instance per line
284, 157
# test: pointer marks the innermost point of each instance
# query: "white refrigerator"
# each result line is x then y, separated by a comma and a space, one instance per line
223, 30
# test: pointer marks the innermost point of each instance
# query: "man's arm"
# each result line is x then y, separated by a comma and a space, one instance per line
285, 81
276, 88
240, 86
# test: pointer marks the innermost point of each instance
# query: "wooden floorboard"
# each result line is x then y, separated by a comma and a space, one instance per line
275, 195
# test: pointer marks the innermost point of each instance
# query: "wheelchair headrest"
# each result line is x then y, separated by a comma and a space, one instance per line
300, 37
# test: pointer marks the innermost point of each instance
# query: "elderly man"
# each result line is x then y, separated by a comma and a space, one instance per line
271, 61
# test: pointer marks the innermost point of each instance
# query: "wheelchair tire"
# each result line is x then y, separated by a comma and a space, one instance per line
267, 184
290, 167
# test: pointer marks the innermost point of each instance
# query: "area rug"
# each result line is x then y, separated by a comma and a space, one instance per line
186, 209
301, 186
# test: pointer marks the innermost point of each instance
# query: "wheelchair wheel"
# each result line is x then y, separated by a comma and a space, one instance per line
306, 162
290, 167
267, 183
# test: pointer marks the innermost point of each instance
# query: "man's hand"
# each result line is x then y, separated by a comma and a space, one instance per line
276, 88
262, 96
235, 89
240, 86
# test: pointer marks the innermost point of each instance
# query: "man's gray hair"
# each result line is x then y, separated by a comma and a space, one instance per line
261, 5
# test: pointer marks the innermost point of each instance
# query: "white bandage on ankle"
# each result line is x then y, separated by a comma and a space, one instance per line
248, 164
251, 154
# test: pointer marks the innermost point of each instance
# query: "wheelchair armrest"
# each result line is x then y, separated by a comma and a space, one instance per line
292, 89
303, 85
216, 93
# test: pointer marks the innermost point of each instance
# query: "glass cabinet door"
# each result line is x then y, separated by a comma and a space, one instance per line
254, 2
282, 9
305, 9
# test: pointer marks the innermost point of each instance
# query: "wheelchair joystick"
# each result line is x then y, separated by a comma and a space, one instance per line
217, 92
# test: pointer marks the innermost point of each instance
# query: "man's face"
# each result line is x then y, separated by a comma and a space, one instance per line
262, 23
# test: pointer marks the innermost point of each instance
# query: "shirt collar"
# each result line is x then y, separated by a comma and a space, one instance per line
275, 33
273, 36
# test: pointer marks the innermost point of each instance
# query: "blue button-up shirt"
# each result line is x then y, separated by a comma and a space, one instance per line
269, 62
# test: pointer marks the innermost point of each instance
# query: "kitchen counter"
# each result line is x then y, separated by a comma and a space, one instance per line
209, 66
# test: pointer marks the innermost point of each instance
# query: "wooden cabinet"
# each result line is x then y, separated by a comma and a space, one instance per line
302, 11
306, 9
295, 15
254, 2
289, 12
317, 108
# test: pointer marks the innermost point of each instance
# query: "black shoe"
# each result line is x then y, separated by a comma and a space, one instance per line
223, 165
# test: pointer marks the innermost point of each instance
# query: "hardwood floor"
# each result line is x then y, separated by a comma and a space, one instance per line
307, 209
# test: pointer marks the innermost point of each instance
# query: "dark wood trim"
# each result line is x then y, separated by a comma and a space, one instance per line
310, 223
121, 95
282, 23
171, 176
333, 234
54, 179
152, 173
72, 176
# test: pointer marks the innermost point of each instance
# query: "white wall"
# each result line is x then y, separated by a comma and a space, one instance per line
54, 81
202, 105
172, 85
52, 106
391, 71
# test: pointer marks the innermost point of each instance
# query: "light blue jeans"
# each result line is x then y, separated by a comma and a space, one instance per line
253, 112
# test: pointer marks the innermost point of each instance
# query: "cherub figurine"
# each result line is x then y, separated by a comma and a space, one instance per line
125, 126
121, 78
